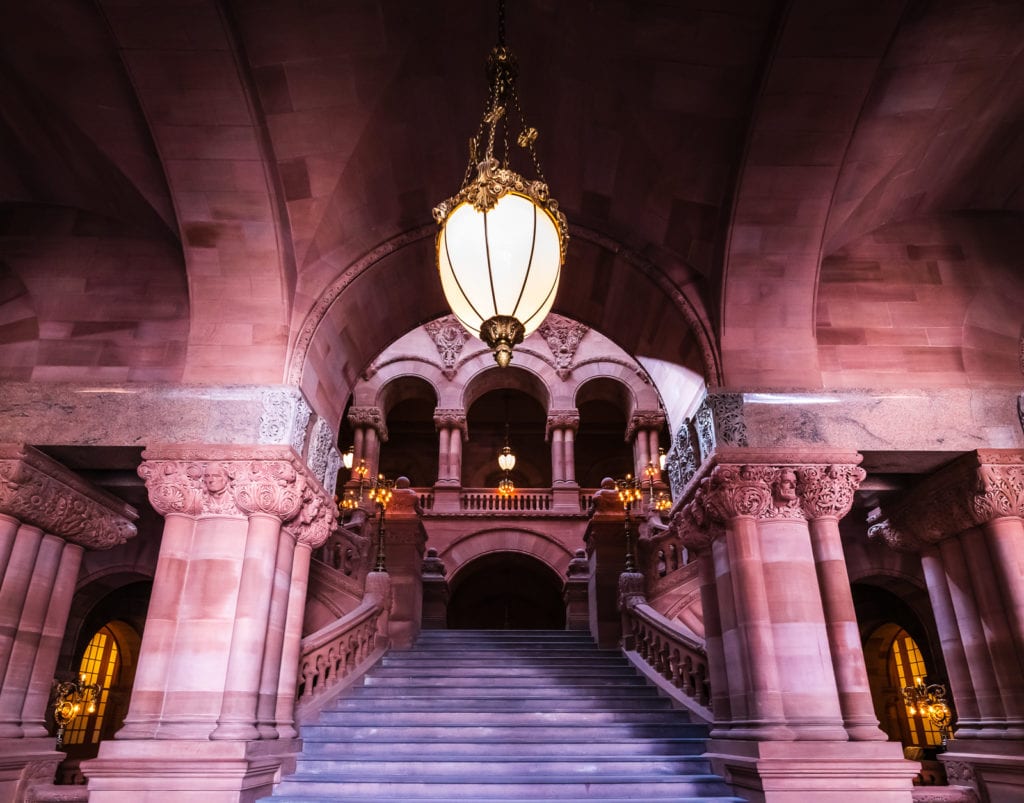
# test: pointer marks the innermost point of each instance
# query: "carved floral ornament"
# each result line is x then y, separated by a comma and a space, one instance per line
765, 492
242, 487
40, 492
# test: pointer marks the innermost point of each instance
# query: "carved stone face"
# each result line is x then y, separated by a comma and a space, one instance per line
785, 487
215, 478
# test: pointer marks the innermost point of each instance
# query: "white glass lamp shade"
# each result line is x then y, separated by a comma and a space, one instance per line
505, 262
506, 460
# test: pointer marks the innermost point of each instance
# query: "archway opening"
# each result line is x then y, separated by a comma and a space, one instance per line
506, 591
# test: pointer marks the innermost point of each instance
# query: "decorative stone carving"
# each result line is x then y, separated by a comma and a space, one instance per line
579, 566
315, 520
882, 529
217, 498
631, 590
1000, 492
605, 501
681, 462
692, 526
42, 493
719, 421
785, 499
454, 418
333, 467
270, 487
732, 491
285, 418
449, 336
562, 419
433, 566
827, 491
173, 487
644, 419
959, 771
1020, 410
563, 337
370, 417
320, 444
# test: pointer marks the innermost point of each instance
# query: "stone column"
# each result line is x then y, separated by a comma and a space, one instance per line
451, 427
370, 432
291, 648
606, 550
560, 430
639, 433
779, 620
48, 517
826, 495
218, 629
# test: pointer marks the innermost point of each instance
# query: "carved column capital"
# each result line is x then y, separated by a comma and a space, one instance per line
562, 419
644, 419
978, 487
827, 491
369, 417
737, 490
694, 527
38, 491
315, 520
269, 487
453, 418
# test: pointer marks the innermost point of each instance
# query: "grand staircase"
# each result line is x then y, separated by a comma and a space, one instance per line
490, 715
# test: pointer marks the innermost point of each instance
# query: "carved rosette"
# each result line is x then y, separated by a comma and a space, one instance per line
42, 493
644, 419
370, 418
827, 491
454, 418
562, 419
449, 336
563, 337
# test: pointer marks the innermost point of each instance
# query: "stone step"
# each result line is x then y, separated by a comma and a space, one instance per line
497, 692
567, 680
487, 749
556, 732
498, 705
302, 798
495, 671
504, 657
498, 767
469, 718
596, 787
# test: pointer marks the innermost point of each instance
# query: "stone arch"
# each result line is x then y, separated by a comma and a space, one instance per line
506, 539
495, 378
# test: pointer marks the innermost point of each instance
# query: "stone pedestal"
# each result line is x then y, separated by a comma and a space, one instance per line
994, 769
447, 498
565, 498
606, 551
435, 592
405, 541
577, 609
820, 771
185, 771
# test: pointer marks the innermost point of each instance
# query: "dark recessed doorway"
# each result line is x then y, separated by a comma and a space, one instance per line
506, 591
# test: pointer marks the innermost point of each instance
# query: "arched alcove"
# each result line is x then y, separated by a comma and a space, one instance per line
506, 591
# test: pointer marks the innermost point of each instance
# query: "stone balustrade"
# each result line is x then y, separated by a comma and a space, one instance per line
529, 501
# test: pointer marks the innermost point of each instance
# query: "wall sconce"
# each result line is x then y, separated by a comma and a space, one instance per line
929, 700
72, 698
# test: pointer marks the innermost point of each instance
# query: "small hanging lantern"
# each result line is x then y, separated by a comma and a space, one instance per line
503, 239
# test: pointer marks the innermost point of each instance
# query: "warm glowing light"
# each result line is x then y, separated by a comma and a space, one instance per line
506, 460
348, 457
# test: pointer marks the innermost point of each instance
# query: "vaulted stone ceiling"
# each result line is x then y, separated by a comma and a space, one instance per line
764, 192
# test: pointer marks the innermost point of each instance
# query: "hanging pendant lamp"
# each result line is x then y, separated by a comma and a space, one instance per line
502, 240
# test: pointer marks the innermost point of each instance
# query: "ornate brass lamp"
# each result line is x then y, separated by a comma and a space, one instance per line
71, 699
503, 239
506, 462
380, 494
929, 700
629, 491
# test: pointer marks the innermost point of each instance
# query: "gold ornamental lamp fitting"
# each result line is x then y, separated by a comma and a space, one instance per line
929, 700
72, 698
502, 241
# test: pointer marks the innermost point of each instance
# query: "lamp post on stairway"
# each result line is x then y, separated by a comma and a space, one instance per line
380, 494
629, 491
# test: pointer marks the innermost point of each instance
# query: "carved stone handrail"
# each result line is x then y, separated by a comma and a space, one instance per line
669, 654
335, 656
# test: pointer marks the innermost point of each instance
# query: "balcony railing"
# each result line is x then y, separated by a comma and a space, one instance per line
525, 501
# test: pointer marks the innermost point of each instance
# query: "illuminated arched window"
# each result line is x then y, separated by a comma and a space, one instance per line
905, 664
100, 664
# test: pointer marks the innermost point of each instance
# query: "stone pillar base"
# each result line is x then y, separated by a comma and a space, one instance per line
825, 772
446, 498
185, 771
565, 498
995, 769
25, 763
